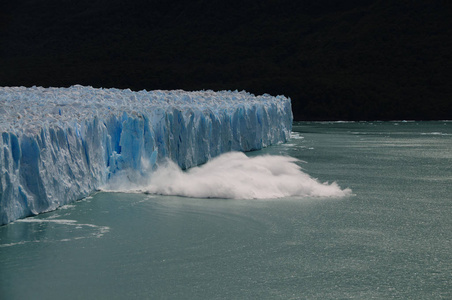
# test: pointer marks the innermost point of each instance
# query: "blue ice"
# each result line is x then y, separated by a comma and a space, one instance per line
58, 145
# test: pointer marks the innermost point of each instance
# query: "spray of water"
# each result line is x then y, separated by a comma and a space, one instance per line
232, 175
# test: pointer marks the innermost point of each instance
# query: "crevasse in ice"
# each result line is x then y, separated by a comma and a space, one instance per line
58, 145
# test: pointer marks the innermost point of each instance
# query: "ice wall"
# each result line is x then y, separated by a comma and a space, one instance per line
58, 145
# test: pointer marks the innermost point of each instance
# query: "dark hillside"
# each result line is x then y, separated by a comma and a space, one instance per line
352, 60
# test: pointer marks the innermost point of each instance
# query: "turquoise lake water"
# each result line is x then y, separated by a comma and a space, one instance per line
390, 239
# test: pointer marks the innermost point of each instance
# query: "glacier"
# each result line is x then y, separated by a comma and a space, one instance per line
59, 145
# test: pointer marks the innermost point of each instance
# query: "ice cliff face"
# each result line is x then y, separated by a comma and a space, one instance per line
58, 145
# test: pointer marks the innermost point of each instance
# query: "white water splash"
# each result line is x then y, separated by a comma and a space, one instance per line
234, 176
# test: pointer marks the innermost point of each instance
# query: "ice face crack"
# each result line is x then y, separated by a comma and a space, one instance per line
58, 145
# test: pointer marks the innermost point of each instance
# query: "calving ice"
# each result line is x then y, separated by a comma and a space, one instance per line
58, 145
232, 175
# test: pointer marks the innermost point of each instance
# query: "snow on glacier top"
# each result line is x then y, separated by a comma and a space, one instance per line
27, 110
